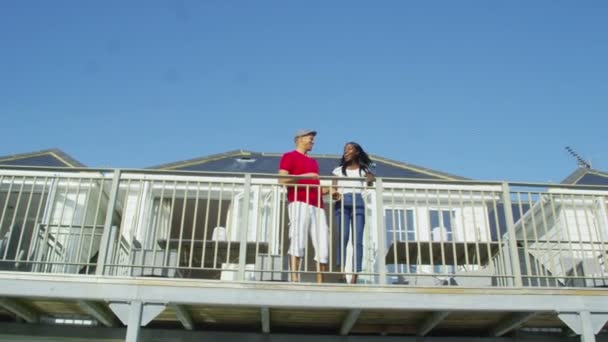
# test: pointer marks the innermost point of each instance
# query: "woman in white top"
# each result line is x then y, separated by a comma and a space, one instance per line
349, 209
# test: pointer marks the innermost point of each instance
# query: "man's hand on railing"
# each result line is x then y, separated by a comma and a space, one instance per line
286, 178
310, 175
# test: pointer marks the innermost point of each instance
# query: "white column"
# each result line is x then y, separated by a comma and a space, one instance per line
134, 321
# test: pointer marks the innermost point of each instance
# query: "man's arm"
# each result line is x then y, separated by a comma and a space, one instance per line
285, 180
294, 180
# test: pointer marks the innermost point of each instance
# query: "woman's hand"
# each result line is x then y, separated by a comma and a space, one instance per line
336, 196
370, 178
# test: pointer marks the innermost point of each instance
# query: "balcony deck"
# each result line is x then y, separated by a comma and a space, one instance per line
334, 309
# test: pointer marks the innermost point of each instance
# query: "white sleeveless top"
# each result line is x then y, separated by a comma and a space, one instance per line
350, 186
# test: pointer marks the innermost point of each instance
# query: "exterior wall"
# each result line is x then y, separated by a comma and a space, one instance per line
564, 235
469, 221
72, 224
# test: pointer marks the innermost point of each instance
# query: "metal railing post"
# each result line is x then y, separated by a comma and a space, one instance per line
512, 237
244, 227
104, 245
380, 230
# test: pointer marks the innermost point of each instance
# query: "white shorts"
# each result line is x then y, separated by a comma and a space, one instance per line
303, 218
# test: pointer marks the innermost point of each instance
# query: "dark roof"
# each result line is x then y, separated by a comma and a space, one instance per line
48, 158
585, 176
268, 163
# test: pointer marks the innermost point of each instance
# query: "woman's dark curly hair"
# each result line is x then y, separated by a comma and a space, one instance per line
362, 158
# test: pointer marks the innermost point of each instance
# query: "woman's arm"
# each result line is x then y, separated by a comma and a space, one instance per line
370, 178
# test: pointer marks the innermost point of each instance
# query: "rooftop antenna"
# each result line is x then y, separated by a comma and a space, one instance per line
579, 160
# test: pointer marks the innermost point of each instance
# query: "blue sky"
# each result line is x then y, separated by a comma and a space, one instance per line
483, 89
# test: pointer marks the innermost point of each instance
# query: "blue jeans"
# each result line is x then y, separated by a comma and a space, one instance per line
351, 210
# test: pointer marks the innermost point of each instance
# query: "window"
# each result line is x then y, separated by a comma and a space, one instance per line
440, 219
398, 227
399, 224
441, 230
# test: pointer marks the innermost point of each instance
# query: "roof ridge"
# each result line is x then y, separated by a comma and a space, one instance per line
426, 170
579, 173
55, 152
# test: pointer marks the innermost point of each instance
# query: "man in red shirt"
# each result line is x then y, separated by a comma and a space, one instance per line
305, 208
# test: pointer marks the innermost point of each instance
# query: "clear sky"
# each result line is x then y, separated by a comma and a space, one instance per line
491, 90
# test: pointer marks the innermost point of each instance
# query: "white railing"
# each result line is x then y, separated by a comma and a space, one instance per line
235, 227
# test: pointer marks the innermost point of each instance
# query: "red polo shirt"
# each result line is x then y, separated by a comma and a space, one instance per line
297, 163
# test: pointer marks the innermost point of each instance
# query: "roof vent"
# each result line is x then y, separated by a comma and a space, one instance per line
245, 160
